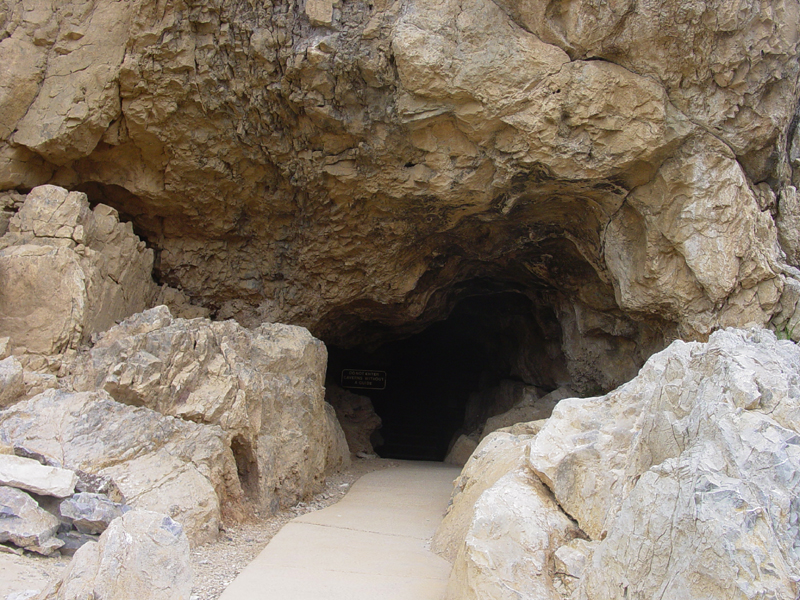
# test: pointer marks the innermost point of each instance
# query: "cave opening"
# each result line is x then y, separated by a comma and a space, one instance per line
447, 379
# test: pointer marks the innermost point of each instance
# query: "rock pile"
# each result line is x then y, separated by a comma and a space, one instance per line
40, 511
680, 484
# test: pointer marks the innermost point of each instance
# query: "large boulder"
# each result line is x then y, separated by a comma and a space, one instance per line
67, 271
183, 469
263, 387
508, 551
142, 555
683, 481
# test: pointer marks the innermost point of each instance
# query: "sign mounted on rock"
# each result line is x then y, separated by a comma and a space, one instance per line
363, 379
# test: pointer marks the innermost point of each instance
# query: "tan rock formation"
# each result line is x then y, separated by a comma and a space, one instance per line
67, 271
337, 165
263, 387
357, 417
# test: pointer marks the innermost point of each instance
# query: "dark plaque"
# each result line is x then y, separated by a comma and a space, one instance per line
363, 379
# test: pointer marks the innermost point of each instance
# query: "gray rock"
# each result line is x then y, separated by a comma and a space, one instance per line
73, 541
28, 474
23, 523
90, 513
142, 555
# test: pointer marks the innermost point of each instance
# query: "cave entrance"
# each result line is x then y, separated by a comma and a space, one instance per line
439, 381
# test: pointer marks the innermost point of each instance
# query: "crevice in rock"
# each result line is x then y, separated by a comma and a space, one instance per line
246, 466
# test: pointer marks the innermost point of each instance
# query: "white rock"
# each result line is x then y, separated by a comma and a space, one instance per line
142, 555
508, 550
32, 476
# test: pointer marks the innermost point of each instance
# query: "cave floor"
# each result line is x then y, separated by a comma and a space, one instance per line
371, 544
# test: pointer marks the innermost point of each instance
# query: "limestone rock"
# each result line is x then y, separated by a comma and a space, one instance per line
788, 223
68, 271
73, 541
263, 387
703, 429
508, 550
160, 463
90, 513
417, 148
357, 417
702, 238
497, 455
23, 523
12, 381
32, 476
141, 555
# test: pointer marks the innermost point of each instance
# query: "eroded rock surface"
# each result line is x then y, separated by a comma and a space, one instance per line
334, 166
263, 387
67, 272
682, 481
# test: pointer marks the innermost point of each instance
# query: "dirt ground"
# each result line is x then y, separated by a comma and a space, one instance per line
214, 565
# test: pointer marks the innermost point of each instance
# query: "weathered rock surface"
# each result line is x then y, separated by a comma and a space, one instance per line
26, 525
90, 513
508, 550
160, 463
67, 271
417, 149
682, 480
497, 455
462, 449
32, 476
357, 417
142, 555
263, 387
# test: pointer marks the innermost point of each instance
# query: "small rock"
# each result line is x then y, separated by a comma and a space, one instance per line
12, 381
90, 513
27, 474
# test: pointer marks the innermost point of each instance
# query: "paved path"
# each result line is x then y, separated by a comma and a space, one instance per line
371, 545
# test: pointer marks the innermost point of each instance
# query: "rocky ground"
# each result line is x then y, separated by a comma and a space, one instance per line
215, 564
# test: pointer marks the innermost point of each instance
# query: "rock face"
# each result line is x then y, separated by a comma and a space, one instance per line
681, 479
67, 271
263, 387
159, 463
622, 165
141, 555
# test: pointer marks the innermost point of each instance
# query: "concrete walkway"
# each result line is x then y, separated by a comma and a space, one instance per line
371, 545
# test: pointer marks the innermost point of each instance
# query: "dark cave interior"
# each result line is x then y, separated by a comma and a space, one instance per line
434, 378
